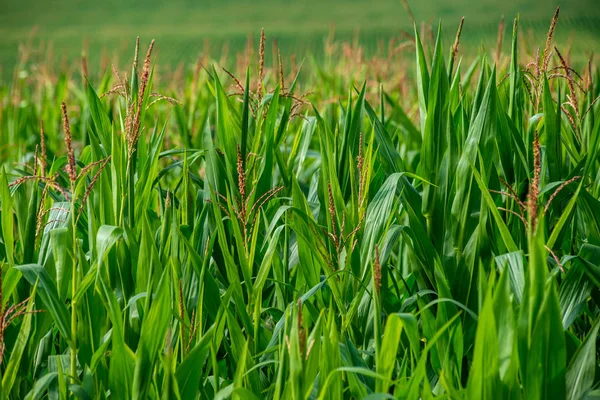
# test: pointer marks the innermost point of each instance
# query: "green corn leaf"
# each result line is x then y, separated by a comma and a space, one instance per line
581, 369
36, 275
10, 374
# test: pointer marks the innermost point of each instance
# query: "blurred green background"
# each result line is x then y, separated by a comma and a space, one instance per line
183, 27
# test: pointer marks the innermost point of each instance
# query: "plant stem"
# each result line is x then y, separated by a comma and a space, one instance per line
73, 370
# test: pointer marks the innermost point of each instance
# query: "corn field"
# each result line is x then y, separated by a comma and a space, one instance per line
346, 228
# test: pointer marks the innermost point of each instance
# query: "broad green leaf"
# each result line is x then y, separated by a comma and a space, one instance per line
36, 275
581, 369
14, 363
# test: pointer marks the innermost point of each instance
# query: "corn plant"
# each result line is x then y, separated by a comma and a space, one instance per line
240, 237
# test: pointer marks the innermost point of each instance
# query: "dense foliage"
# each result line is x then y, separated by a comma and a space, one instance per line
436, 237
